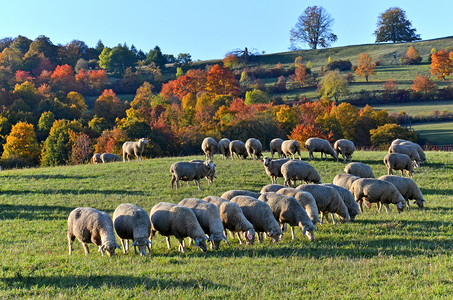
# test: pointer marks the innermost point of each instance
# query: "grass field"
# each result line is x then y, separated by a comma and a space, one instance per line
414, 109
407, 255
435, 133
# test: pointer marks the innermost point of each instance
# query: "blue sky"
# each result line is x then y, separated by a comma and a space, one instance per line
207, 29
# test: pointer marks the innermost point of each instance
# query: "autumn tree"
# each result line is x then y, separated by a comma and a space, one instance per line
63, 78
256, 96
220, 81
365, 66
385, 134
313, 27
21, 144
109, 107
424, 86
287, 118
82, 148
412, 57
394, 26
333, 85
230, 60
442, 63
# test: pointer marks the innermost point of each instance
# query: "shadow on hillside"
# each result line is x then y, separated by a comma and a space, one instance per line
437, 191
74, 192
44, 177
98, 281
34, 212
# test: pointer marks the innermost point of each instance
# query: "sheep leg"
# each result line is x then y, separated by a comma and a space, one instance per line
379, 206
123, 242
360, 201
408, 205
181, 246
333, 219
168, 242
387, 208
293, 234
239, 237
198, 184
85, 247
322, 218
260, 237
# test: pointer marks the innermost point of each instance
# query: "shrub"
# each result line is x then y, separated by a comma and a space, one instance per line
341, 65
384, 135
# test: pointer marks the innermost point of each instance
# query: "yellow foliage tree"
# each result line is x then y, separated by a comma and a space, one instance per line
333, 85
365, 66
21, 144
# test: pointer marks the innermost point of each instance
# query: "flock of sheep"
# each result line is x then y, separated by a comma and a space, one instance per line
246, 213
130, 149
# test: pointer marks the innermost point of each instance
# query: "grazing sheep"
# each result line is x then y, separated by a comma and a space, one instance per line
211, 175
276, 146
238, 147
271, 188
378, 191
254, 148
96, 158
233, 219
290, 148
171, 219
228, 195
188, 171
209, 147
348, 199
273, 167
109, 157
209, 218
286, 209
260, 215
224, 148
319, 145
90, 225
345, 147
328, 200
408, 150
305, 199
407, 188
134, 148
417, 147
345, 180
398, 161
359, 169
132, 222
299, 170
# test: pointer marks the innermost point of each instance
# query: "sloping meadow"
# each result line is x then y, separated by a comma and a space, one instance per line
379, 255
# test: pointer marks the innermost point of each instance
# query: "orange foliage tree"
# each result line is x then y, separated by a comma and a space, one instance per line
109, 107
442, 63
193, 81
365, 66
21, 144
221, 81
63, 78
411, 57
424, 86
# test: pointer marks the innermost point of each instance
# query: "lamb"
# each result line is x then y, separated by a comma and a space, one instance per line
290, 148
407, 188
209, 147
271, 188
90, 225
345, 147
345, 180
417, 147
233, 219
348, 199
188, 171
228, 195
328, 200
408, 150
276, 146
209, 218
260, 215
109, 157
378, 191
224, 148
170, 219
398, 161
131, 222
286, 209
273, 167
359, 169
238, 147
254, 148
306, 200
211, 175
96, 158
299, 170
319, 145
134, 148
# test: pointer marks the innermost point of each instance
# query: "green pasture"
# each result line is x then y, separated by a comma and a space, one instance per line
435, 133
380, 255
414, 109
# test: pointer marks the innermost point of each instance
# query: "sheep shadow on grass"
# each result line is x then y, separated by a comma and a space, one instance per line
34, 212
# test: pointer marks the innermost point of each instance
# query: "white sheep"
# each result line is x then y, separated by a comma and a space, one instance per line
398, 161
90, 225
328, 200
131, 222
238, 147
305, 199
109, 157
274, 167
345, 147
348, 199
319, 145
408, 150
407, 188
276, 146
254, 148
359, 169
209, 147
224, 148
233, 219
188, 171
287, 210
260, 215
96, 158
377, 191
228, 195
417, 147
272, 188
299, 170
290, 148
209, 218
345, 180
170, 219
134, 148
211, 175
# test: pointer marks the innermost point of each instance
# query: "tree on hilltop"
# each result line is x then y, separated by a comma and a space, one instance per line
394, 26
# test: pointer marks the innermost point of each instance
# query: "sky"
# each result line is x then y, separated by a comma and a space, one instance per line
207, 29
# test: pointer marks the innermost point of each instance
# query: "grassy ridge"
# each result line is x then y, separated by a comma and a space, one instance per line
380, 255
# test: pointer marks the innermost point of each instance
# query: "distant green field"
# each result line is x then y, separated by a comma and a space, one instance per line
435, 133
414, 109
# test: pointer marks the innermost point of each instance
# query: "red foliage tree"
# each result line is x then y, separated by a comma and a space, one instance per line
63, 78
221, 81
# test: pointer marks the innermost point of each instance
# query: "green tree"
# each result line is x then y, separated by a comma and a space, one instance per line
394, 26
21, 44
385, 134
333, 85
21, 144
42, 44
118, 59
46, 121
256, 96
156, 57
